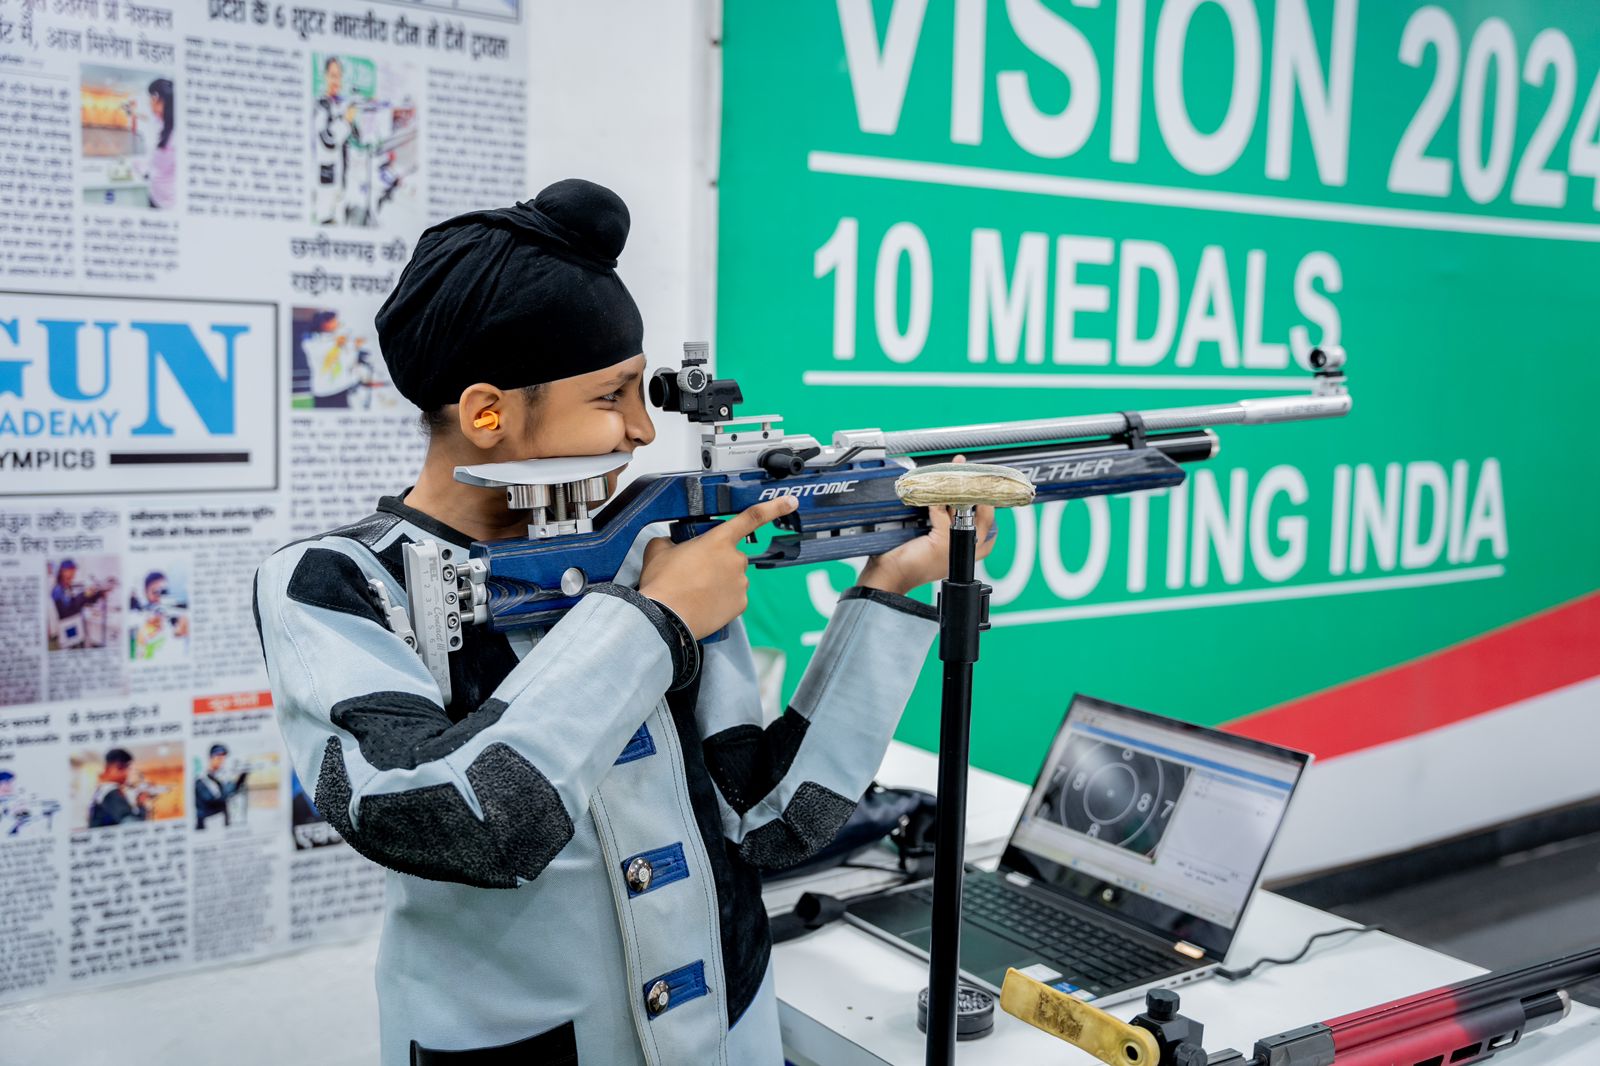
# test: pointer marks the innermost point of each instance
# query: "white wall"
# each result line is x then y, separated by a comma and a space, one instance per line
622, 92
1446, 782
619, 93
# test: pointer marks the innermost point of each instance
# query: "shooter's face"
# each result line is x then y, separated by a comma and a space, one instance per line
214, 764
157, 107
591, 414
117, 773
334, 78
68, 575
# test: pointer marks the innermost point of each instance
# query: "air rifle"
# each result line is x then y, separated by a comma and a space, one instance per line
848, 507
1461, 1024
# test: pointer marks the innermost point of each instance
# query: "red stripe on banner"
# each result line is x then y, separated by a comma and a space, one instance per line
1539, 654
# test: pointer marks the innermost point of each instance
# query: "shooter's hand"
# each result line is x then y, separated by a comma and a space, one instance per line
703, 580
927, 558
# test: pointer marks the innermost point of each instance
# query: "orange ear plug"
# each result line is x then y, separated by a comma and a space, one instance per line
487, 420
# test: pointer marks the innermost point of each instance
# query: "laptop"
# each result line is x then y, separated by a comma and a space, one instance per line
1130, 867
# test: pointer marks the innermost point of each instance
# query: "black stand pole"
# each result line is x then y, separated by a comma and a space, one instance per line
963, 611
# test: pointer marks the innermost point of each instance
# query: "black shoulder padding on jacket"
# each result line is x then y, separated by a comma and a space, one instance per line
809, 823
327, 578
431, 832
366, 531
402, 730
393, 558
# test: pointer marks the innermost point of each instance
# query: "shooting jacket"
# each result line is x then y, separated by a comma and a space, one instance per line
574, 853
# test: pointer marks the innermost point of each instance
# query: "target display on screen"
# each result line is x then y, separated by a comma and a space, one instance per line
1114, 794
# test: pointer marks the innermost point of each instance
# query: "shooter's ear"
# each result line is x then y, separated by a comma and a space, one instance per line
480, 414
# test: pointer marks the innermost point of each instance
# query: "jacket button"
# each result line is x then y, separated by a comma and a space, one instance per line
659, 996
639, 873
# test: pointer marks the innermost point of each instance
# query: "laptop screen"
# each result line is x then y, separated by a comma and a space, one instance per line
1166, 823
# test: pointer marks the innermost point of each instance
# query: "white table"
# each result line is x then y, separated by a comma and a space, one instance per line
849, 999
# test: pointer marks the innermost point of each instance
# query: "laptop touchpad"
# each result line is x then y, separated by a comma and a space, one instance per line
983, 954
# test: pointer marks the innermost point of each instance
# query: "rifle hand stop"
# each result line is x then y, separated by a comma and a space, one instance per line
964, 485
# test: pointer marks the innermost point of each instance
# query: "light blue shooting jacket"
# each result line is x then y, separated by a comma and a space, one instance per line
574, 856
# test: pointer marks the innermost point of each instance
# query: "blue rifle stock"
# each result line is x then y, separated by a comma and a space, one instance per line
848, 511
847, 504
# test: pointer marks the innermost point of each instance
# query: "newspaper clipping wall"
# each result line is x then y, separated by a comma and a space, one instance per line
202, 205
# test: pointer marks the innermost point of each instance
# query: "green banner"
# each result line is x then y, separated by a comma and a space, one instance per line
937, 213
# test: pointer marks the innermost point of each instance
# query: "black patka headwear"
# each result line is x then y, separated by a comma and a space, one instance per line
512, 297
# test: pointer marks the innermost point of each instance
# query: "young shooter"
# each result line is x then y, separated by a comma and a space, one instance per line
575, 841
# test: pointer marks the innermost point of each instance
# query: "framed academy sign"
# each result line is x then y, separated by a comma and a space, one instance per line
937, 212
103, 395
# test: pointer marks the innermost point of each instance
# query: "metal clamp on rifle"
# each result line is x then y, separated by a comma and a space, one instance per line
848, 507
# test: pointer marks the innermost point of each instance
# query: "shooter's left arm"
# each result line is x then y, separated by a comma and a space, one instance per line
787, 789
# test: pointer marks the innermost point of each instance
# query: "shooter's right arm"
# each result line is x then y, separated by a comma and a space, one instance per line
487, 800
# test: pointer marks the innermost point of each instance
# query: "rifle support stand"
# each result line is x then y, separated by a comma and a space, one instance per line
963, 614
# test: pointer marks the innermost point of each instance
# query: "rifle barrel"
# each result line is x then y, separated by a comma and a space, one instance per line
1187, 446
1040, 431
1374, 1023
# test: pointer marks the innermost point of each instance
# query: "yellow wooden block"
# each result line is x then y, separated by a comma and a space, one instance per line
1108, 1039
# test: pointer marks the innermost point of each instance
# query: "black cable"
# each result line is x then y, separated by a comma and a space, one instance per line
852, 865
1241, 974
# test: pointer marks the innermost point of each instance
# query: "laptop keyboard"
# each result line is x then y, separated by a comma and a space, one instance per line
1094, 956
